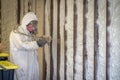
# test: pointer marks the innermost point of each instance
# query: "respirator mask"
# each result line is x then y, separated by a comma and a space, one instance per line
32, 27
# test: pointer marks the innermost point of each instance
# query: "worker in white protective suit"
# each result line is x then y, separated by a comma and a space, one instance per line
23, 48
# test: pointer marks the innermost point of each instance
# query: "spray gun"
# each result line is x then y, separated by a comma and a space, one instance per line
42, 40
46, 38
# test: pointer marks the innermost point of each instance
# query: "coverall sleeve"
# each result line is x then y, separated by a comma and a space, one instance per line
19, 44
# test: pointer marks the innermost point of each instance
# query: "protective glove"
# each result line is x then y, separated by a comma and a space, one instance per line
41, 42
47, 38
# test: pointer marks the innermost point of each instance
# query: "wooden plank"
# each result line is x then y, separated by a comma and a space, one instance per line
62, 40
75, 19
58, 39
108, 21
47, 33
101, 72
69, 42
54, 44
29, 6
34, 5
90, 41
26, 6
22, 10
65, 37
96, 39
18, 11
85, 57
79, 41
44, 62
51, 33
23, 7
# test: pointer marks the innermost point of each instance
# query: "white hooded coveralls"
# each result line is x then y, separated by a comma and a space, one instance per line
23, 51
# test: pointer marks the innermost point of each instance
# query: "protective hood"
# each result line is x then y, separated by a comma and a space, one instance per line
30, 16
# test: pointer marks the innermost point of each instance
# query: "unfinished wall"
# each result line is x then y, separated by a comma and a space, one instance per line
85, 40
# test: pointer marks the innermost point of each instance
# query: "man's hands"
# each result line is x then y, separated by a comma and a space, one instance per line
41, 41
